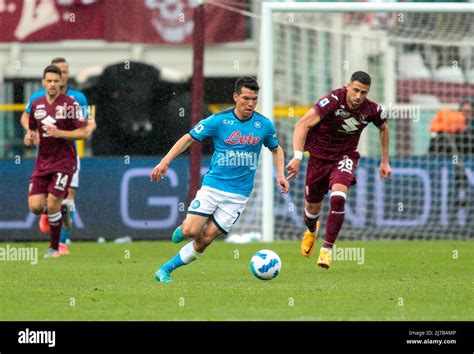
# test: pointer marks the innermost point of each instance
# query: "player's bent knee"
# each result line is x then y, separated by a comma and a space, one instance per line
36, 209
190, 230
338, 200
314, 208
36, 206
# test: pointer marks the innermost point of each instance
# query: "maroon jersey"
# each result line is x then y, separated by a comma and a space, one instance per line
338, 132
55, 155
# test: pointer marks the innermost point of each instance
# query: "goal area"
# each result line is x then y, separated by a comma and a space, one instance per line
421, 60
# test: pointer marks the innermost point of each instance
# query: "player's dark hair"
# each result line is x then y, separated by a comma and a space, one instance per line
248, 82
58, 60
362, 77
51, 69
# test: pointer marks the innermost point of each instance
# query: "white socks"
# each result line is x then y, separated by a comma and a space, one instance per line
188, 254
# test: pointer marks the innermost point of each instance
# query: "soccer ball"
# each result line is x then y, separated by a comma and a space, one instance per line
265, 264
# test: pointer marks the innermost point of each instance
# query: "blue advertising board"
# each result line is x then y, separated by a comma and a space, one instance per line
116, 198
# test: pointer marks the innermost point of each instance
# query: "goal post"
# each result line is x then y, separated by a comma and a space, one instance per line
308, 49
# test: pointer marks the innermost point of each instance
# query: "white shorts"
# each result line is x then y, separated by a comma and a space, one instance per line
75, 176
223, 208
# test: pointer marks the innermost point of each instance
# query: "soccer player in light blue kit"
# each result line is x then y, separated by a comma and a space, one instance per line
69, 201
238, 135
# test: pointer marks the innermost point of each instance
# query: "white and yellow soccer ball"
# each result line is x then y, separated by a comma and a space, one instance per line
265, 264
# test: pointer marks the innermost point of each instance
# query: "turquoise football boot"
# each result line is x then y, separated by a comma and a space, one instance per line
178, 235
163, 276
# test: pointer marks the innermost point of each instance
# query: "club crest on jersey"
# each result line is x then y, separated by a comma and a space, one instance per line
237, 138
40, 114
257, 124
342, 113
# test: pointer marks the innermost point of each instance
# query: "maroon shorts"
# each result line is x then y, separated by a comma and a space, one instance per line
323, 174
56, 183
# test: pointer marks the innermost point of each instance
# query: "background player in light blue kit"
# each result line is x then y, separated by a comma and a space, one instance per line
80, 98
238, 135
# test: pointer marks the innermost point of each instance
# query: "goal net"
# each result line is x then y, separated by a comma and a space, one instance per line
421, 60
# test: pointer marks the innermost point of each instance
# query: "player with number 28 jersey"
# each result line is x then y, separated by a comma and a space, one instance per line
330, 131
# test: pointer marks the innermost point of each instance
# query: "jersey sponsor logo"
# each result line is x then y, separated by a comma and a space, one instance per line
228, 122
342, 113
49, 120
40, 114
237, 138
257, 124
323, 102
350, 125
40, 106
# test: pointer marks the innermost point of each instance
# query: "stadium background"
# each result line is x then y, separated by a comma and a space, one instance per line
115, 198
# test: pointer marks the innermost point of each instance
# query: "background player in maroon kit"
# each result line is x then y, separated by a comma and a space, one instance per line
330, 131
58, 120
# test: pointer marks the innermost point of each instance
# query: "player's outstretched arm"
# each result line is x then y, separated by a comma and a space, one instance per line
178, 148
279, 159
385, 170
309, 120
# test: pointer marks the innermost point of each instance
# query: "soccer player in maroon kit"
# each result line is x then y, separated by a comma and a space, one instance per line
58, 120
330, 131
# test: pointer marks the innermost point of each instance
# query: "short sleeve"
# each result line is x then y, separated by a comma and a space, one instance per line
326, 104
28, 106
205, 128
33, 98
380, 116
271, 139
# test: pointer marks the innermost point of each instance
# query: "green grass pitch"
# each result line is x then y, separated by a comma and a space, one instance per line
398, 281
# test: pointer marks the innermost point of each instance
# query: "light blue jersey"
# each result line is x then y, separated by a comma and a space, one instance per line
74, 94
237, 145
